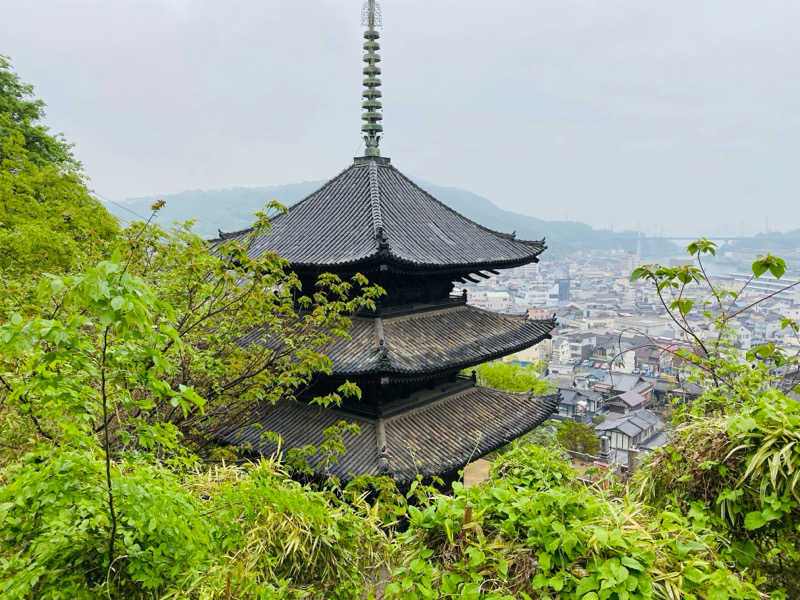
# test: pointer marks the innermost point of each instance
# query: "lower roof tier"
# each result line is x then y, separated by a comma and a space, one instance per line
432, 341
435, 439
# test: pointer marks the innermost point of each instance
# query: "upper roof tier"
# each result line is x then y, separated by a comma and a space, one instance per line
372, 214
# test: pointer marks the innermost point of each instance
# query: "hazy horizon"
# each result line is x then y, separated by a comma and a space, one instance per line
615, 114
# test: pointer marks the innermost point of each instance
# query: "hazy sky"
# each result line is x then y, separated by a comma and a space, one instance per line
624, 113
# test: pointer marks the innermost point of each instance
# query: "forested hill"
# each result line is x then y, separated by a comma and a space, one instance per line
233, 209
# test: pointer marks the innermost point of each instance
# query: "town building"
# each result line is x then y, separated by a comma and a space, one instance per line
579, 405
638, 430
626, 402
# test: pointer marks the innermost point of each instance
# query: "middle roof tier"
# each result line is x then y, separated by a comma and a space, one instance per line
432, 341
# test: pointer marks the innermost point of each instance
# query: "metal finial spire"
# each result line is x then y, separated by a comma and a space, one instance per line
372, 117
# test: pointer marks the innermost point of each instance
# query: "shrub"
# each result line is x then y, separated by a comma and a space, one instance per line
535, 533
274, 537
55, 533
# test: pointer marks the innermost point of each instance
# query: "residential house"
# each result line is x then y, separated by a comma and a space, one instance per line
577, 404
639, 430
626, 402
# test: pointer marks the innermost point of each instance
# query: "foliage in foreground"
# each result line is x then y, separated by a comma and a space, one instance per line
225, 533
735, 451
533, 532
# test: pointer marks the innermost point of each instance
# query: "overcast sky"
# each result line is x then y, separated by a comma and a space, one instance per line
624, 113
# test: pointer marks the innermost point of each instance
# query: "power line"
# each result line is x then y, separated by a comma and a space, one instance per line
122, 206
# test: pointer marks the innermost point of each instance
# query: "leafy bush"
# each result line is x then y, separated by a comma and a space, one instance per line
744, 470
54, 538
536, 534
269, 528
533, 467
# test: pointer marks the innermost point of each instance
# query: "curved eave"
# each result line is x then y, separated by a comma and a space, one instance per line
506, 416
371, 215
398, 374
438, 438
532, 332
376, 260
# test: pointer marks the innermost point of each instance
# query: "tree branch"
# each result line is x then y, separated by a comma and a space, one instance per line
106, 448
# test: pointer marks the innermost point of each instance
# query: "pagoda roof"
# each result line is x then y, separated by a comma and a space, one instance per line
436, 438
430, 341
373, 214
433, 341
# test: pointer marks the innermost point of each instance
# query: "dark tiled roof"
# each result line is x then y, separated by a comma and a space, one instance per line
571, 395
372, 211
431, 341
631, 424
437, 438
632, 399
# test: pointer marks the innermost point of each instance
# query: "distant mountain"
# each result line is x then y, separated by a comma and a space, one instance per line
772, 242
232, 209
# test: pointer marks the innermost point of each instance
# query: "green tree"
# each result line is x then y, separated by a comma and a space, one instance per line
512, 377
48, 219
102, 411
578, 437
170, 319
733, 459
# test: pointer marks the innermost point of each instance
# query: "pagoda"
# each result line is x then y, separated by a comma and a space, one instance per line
418, 414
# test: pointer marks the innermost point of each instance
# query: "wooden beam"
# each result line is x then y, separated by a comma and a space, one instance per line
484, 275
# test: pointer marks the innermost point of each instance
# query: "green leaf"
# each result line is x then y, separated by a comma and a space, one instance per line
744, 552
392, 590
684, 305
417, 566
702, 245
556, 582
695, 575
585, 585
754, 520
56, 284
718, 593
632, 563
685, 548
476, 556
759, 268
777, 267
638, 273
